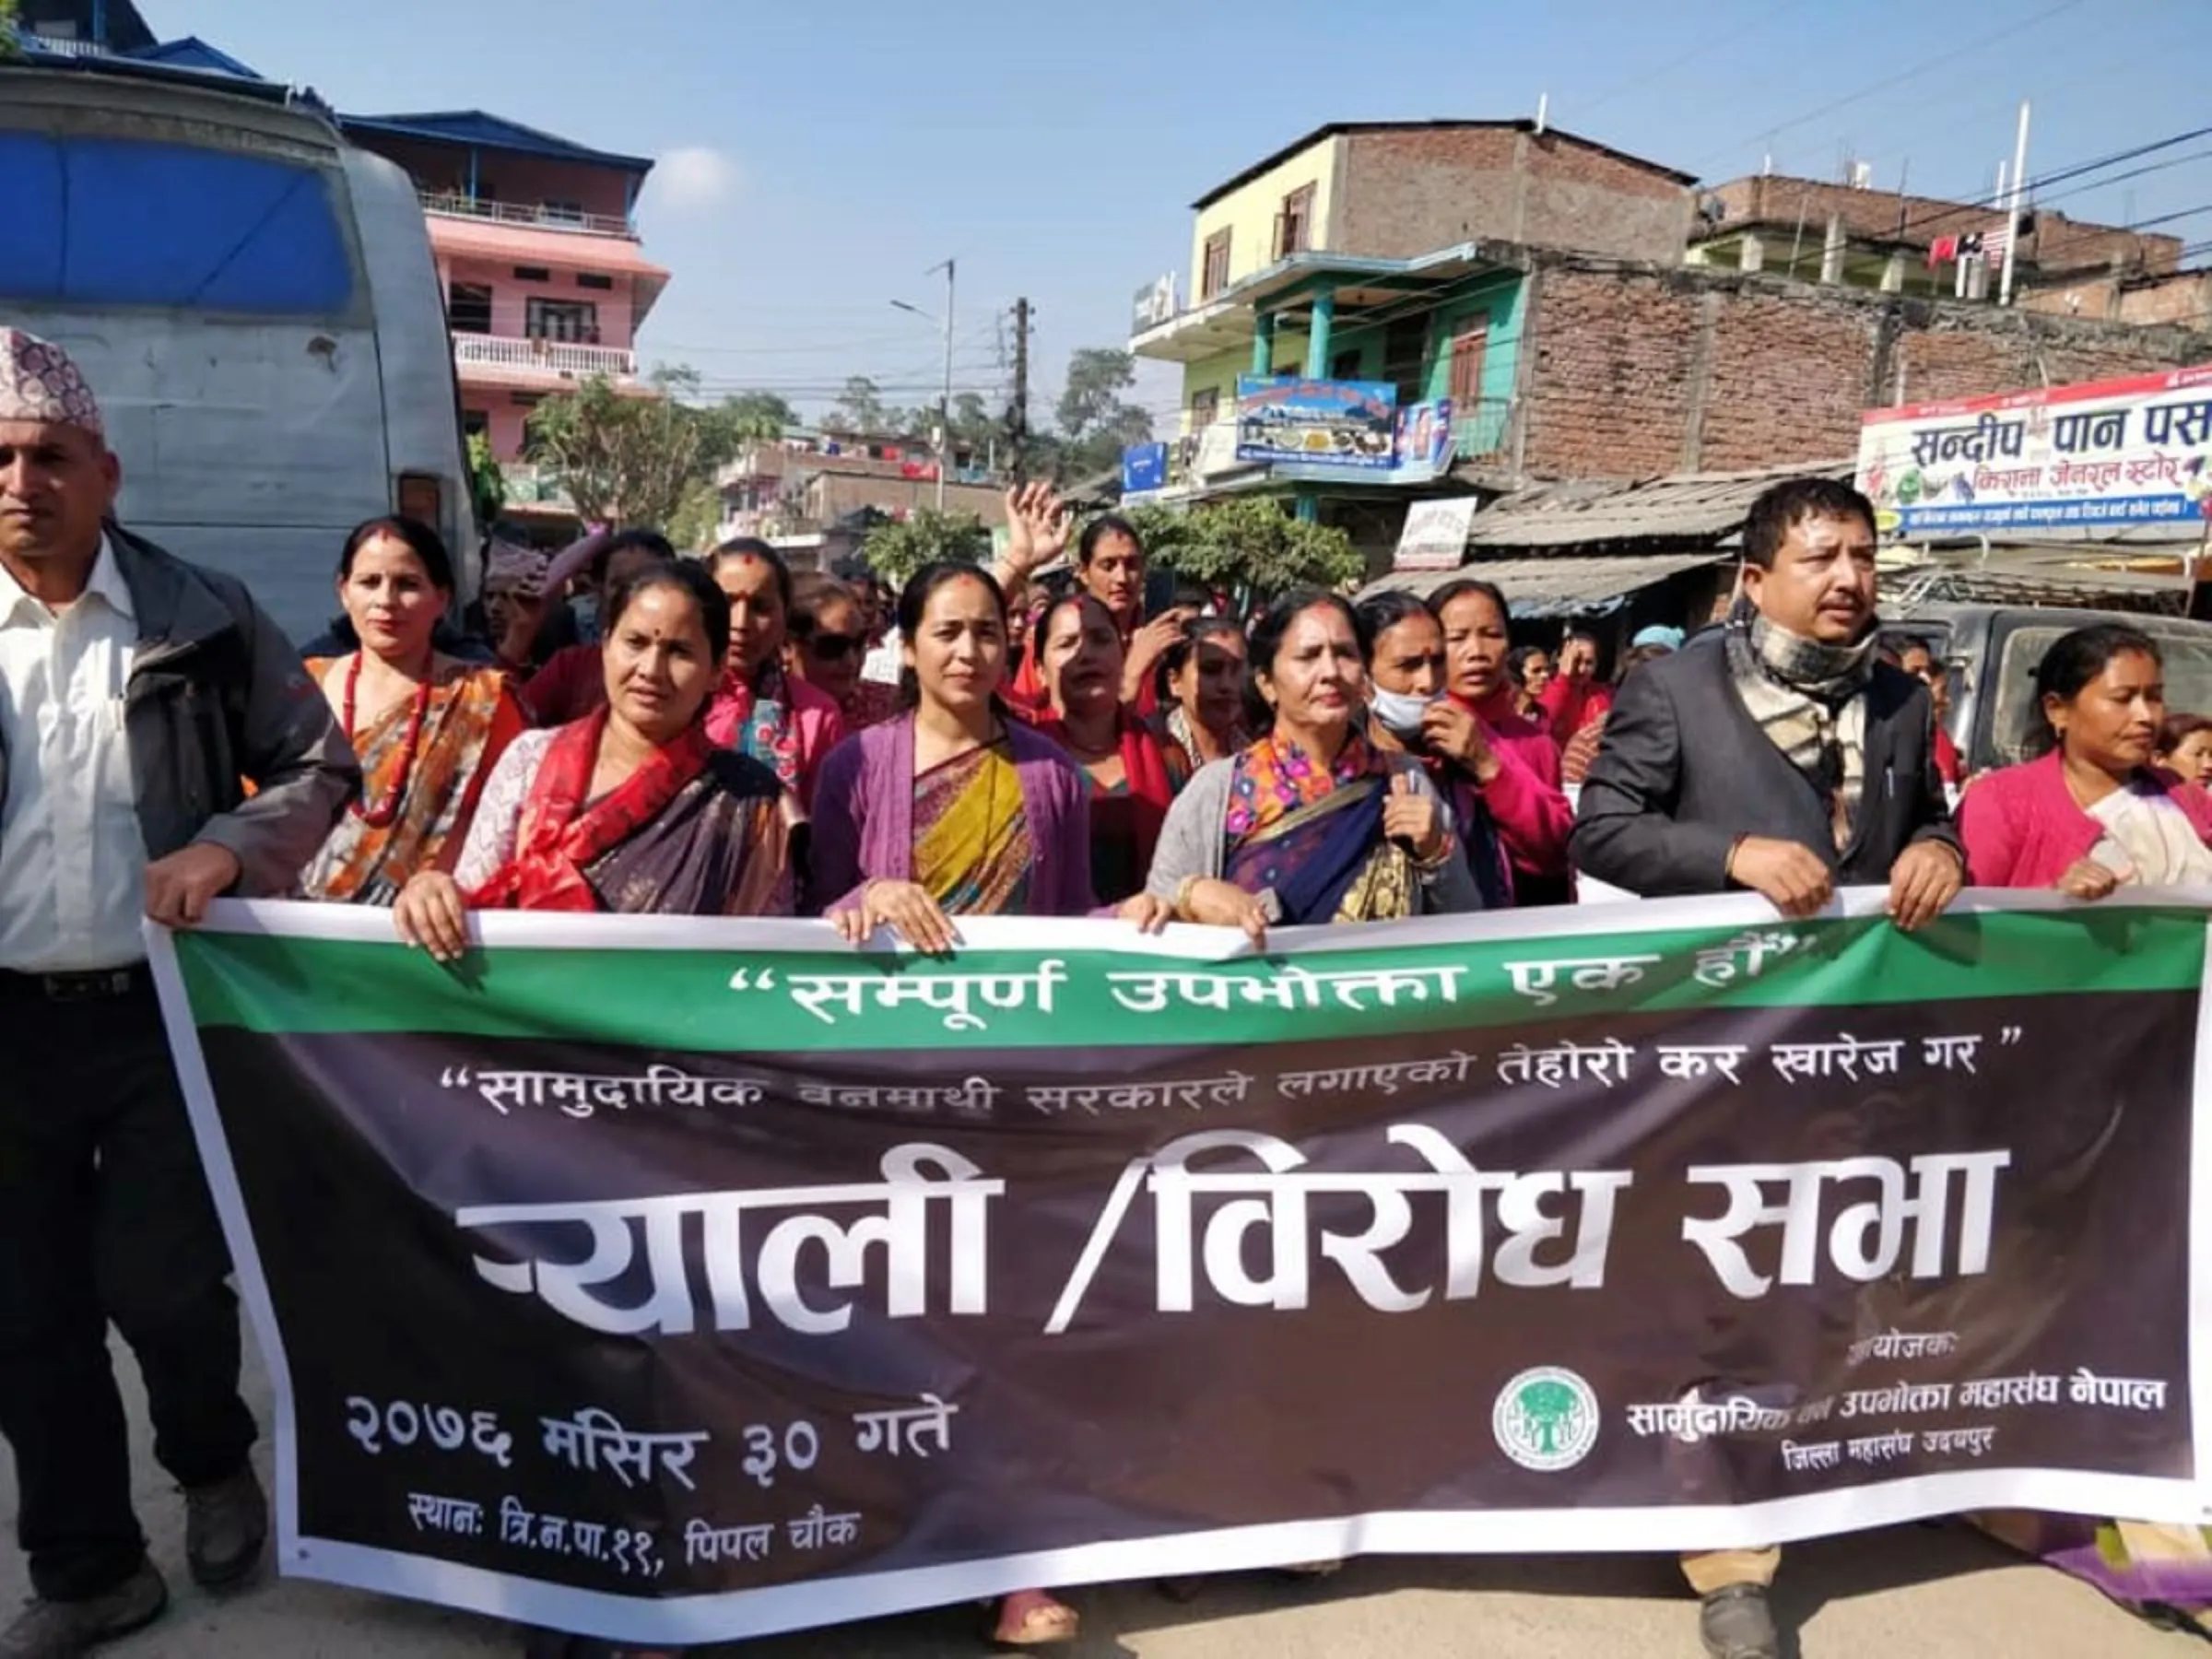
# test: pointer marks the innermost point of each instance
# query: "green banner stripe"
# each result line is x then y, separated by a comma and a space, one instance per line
711, 1002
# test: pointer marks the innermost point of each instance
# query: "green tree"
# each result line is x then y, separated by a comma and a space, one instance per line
897, 549
9, 49
623, 460
1096, 423
1250, 541
729, 426
861, 406
691, 526
486, 483
1546, 1408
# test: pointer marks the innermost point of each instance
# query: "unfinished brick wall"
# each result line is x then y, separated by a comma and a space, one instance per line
2058, 243
1408, 191
1636, 370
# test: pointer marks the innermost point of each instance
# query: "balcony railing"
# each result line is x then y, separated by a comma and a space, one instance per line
544, 356
536, 215
58, 45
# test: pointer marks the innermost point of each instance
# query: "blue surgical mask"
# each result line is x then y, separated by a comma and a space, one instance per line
587, 618
1399, 711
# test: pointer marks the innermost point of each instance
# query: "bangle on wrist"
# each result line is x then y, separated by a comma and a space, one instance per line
1183, 890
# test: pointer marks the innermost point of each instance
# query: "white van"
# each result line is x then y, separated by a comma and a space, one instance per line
253, 300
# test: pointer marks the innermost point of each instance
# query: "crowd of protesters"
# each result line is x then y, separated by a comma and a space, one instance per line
723, 736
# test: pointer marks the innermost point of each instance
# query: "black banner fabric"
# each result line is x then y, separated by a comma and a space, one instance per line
686, 1341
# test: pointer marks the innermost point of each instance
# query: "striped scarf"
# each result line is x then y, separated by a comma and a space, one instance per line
1810, 701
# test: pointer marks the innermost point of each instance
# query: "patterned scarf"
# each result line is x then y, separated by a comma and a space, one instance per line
754, 717
1274, 779
1810, 701
562, 833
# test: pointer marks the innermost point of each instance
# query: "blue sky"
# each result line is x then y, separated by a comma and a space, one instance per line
821, 157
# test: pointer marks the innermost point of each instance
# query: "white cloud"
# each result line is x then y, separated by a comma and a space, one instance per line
693, 177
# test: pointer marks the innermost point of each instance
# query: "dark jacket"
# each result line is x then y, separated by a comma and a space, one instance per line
1684, 771
216, 696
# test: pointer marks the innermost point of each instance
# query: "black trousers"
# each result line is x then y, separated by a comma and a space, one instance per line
104, 1216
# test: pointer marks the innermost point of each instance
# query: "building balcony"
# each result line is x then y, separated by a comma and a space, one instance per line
502, 359
536, 215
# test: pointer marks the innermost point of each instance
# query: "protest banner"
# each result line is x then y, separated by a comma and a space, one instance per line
680, 1281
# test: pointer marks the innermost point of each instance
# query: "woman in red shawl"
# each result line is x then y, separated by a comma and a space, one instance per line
1509, 761
1132, 776
634, 808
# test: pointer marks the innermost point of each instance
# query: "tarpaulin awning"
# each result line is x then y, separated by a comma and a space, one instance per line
1559, 587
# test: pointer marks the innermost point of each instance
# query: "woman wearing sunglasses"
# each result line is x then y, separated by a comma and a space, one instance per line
829, 646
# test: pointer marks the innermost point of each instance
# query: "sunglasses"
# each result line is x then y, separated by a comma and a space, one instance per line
832, 647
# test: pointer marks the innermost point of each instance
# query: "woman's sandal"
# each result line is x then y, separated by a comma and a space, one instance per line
1033, 1619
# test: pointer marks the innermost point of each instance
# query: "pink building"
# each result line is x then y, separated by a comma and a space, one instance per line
546, 285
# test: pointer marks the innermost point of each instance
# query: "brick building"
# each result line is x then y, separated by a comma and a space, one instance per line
1639, 370
1861, 237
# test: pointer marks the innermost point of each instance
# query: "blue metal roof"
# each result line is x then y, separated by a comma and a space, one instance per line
191, 53
486, 131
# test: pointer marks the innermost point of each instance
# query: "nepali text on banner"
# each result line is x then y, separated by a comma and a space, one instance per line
680, 1281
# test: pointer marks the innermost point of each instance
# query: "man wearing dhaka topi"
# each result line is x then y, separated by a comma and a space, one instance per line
139, 696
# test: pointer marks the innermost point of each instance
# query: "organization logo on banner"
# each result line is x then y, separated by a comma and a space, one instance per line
1546, 1419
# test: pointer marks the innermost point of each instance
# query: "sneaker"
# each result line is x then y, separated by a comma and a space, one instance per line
1736, 1623
226, 1524
51, 1629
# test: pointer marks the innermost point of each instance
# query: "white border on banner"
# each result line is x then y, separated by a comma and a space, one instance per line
736, 1615
369, 925
837, 1599
230, 1205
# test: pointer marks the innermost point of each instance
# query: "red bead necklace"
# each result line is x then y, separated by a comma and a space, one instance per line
386, 812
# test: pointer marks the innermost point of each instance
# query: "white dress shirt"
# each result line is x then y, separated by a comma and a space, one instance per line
72, 860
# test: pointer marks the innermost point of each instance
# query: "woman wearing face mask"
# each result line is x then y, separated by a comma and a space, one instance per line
634, 808
1201, 692
1312, 822
2091, 815
760, 709
427, 729
1133, 779
1510, 760
1404, 647
829, 642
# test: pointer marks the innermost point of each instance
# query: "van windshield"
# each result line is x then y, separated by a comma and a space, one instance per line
101, 221
2188, 658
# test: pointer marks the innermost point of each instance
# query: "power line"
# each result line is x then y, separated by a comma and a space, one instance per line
1887, 81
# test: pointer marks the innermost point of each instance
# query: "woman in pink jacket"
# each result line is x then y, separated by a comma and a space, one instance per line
1494, 758
2089, 817
2092, 814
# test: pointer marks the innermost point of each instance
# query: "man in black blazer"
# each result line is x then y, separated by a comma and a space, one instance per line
1776, 754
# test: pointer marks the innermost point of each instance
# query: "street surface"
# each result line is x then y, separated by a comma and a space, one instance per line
1910, 1592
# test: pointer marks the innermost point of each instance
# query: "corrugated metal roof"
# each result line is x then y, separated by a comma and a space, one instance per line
1558, 587
1706, 507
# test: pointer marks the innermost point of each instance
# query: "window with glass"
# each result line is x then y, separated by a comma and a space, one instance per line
567, 321
1294, 224
102, 221
1214, 276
